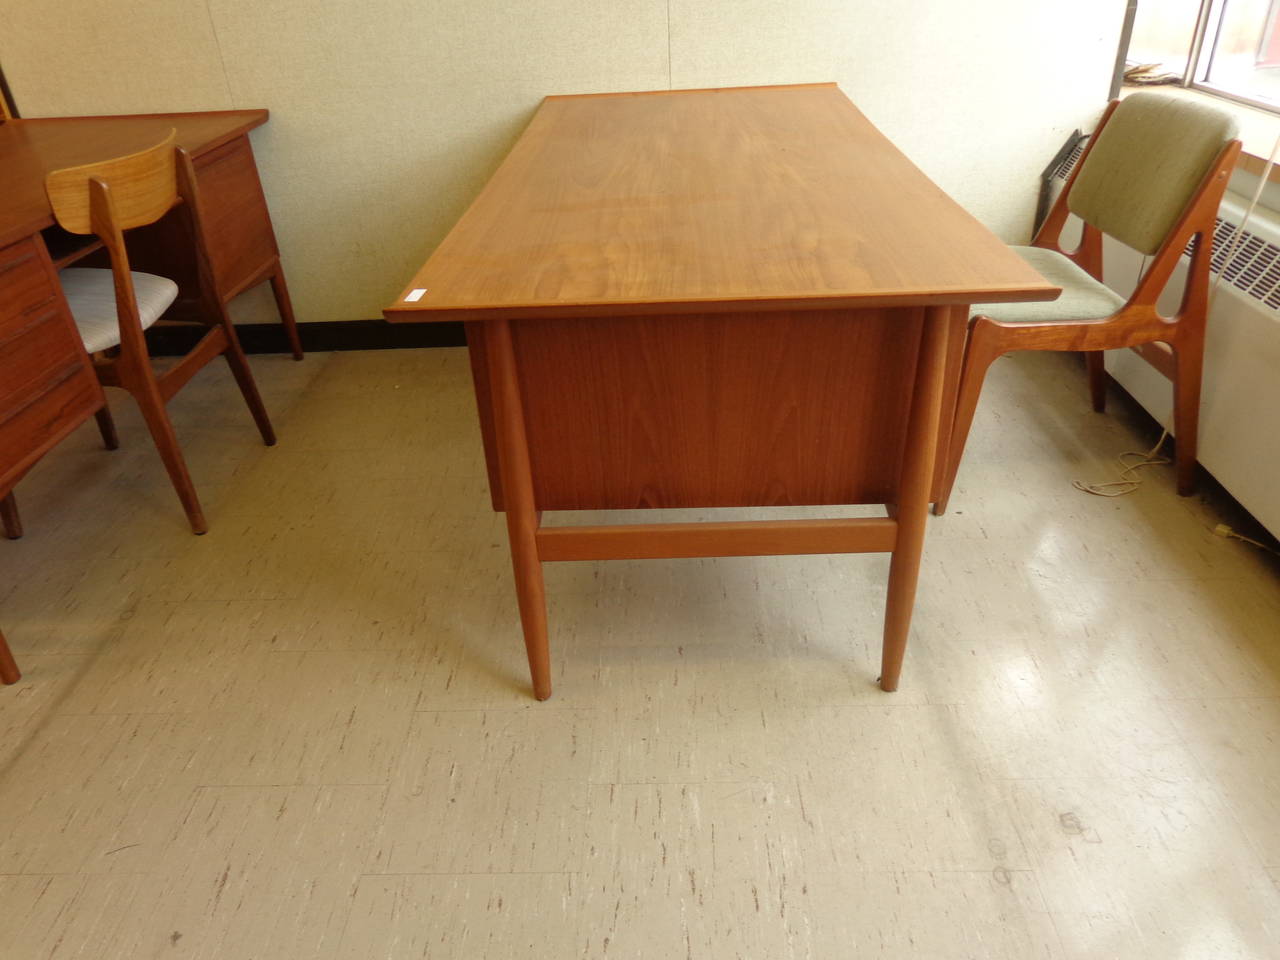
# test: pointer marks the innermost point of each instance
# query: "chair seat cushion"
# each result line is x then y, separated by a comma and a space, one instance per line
91, 294
1082, 298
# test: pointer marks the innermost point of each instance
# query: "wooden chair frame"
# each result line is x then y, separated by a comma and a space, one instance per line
1173, 345
129, 366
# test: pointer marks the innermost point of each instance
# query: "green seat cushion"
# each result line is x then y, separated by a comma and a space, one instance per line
1083, 298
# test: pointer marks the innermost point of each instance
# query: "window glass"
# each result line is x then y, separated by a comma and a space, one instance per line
1242, 55
1161, 40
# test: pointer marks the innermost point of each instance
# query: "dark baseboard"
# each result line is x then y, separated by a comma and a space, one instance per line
176, 340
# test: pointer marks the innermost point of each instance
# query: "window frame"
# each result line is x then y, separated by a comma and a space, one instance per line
1200, 58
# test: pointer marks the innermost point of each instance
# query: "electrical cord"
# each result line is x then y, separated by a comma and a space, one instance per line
1128, 480
1222, 530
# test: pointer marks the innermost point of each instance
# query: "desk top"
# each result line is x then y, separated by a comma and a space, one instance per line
700, 201
29, 149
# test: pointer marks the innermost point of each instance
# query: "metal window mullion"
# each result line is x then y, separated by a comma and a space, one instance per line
1208, 10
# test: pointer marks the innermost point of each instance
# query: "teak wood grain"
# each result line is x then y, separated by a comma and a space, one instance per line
710, 200
47, 384
749, 538
31, 149
143, 189
717, 410
732, 298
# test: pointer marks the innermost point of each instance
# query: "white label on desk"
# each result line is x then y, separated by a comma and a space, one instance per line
415, 295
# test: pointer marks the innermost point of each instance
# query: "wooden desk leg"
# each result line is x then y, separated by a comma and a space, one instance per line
9, 672
957, 331
913, 492
10, 519
281, 292
517, 498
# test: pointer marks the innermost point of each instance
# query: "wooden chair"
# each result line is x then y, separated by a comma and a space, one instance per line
1152, 177
113, 308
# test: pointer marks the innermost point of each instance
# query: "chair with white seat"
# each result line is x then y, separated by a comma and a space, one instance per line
1152, 177
112, 308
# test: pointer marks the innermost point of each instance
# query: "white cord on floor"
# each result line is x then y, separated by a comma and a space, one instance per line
1128, 480
1222, 530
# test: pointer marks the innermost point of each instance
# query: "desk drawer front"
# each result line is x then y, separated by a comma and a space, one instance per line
35, 347
33, 427
24, 282
47, 385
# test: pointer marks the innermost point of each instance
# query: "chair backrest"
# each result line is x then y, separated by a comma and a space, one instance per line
142, 188
1145, 165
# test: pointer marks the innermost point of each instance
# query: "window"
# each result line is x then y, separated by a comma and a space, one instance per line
1230, 48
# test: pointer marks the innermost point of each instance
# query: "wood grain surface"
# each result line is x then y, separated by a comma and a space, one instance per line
745, 538
30, 149
710, 200
47, 385
717, 410
238, 232
143, 189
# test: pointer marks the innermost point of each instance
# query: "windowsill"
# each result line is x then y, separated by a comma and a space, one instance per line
1258, 128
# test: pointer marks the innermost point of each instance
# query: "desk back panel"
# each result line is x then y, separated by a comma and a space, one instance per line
237, 225
237, 230
712, 410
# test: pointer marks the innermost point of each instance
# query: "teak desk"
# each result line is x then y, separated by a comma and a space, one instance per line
238, 231
712, 298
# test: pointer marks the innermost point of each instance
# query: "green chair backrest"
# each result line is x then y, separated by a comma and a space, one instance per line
1145, 166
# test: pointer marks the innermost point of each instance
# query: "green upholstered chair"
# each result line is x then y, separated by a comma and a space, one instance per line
1152, 177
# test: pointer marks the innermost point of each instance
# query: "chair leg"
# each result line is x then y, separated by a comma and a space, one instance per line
1188, 364
281, 292
1095, 361
107, 427
983, 347
248, 388
9, 672
9, 517
157, 417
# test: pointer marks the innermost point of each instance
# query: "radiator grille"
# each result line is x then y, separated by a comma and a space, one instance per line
1070, 160
1255, 263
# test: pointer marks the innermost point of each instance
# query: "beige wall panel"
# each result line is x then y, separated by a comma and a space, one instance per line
979, 95
385, 127
111, 56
